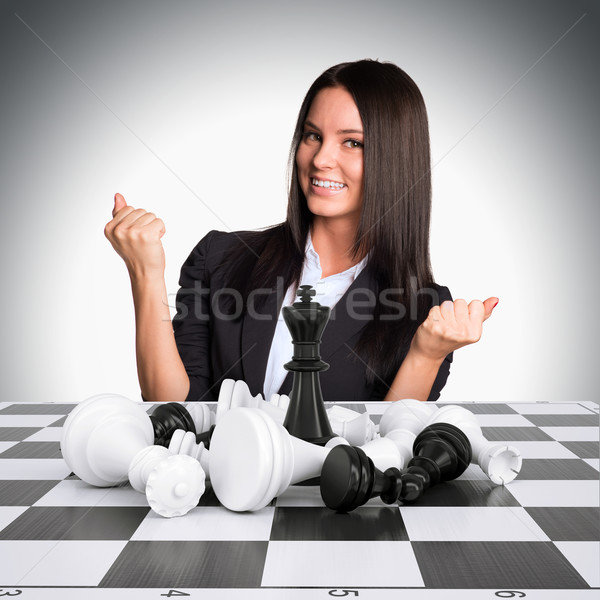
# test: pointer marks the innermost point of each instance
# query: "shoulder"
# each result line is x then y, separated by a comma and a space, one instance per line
223, 241
218, 243
227, 249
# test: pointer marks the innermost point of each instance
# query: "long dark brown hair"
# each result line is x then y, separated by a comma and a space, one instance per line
395, 217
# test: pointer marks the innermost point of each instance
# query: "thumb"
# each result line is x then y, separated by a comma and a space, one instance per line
488, 306
119, 203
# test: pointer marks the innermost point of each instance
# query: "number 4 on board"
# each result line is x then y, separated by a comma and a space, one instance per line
174, 593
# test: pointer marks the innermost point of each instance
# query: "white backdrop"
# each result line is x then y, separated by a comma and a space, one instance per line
187, 108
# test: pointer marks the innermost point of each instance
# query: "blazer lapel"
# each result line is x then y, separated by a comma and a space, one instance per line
258, 329
346, 319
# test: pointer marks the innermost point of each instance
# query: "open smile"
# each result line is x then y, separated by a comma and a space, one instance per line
327, 183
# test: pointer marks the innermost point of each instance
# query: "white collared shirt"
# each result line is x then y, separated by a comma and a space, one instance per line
328, 291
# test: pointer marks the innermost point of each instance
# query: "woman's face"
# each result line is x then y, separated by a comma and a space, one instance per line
329, 158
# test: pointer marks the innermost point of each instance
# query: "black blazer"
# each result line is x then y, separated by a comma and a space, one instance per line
214, 346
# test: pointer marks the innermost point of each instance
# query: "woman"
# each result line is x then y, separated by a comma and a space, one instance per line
357, 228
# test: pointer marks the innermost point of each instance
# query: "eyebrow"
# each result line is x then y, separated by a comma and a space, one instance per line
339, 131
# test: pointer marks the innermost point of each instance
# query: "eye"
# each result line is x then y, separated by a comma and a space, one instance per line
353, 144
311, 136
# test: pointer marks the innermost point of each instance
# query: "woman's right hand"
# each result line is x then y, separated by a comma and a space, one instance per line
135, 234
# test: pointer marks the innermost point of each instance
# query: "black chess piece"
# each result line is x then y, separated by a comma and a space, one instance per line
205, 437
442, 452
306, 417
167, 418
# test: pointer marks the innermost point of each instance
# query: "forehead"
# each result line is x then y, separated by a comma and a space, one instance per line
334, 107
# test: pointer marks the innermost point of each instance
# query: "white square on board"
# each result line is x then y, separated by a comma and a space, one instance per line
347, 564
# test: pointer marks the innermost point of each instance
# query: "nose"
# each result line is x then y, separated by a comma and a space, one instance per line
325, 156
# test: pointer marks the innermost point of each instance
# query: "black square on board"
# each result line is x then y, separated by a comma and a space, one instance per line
515, 434
583, 449
564, 420
24, 492
377, 523
17, 434
187, 564
31, 408
33, 450
464, 492
495, 565
75, 523
557, 468
568, 523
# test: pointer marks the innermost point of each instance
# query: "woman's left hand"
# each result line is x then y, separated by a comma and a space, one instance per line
450, 326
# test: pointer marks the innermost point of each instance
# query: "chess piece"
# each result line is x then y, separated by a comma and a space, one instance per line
167, 417
306, 417
355, 427
236, 394
253, 459
184, 442
108, 439
349, 479
403, 421
500, 462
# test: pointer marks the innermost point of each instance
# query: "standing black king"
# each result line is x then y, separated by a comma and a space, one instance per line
306, 417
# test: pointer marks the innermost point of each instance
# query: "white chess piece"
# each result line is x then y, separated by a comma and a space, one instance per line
184, 442
108, 439
500, 462
201, 414
253, 459
280, 400
403, 421
355, 427
236, 394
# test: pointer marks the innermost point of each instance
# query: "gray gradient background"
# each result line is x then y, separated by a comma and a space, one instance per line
187, 108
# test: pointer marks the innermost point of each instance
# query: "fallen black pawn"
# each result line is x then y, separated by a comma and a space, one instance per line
167, 418
349, 479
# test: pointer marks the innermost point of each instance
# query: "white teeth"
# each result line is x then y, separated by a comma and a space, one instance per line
327, 184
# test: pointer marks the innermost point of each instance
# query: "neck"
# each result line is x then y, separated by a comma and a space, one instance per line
333, 243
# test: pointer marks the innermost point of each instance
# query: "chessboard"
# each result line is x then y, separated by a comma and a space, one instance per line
536, 537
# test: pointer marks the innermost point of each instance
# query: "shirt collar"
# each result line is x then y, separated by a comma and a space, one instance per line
312, 258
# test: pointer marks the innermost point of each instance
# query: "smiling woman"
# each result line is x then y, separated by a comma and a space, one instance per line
357, 229
330, 162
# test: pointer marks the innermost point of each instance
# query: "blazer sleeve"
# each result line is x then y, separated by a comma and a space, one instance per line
191, 323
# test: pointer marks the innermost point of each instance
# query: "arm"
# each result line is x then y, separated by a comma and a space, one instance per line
135, 235
414, 378
448, 327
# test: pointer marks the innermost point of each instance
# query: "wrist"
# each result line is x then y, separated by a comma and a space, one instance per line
141, 276
424, 360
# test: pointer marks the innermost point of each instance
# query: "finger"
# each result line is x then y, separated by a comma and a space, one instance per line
461, 310
158, 226
447, 310
434, 314
142, 220
476, 311
119, 203
128, 218
489, 306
